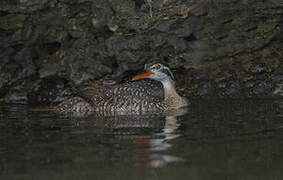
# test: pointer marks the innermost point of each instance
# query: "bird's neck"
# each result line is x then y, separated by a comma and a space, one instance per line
171, 97
169, 88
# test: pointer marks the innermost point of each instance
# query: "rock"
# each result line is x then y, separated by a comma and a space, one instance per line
16, 67
232, 89
198, 9
261, 88
23, 6
50, 90
16, 98
80, 62
258, 69
48, 70
12, 21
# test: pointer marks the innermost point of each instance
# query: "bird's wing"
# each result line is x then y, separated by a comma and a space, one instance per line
123, 96
96, 94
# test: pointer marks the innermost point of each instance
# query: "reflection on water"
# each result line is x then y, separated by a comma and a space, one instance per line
215, 139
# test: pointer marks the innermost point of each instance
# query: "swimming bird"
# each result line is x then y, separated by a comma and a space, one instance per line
132, 97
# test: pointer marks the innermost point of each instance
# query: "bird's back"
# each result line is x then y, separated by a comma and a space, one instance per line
144, 95
133, 97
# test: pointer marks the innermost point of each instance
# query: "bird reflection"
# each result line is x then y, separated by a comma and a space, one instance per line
149, 149
149, 152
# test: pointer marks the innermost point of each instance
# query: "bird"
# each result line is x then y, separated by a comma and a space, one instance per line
140, 95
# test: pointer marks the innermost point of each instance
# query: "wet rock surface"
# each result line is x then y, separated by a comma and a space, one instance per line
215, 48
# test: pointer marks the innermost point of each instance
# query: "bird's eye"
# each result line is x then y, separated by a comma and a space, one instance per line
156, 66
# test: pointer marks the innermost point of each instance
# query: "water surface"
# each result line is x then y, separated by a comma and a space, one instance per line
215, 139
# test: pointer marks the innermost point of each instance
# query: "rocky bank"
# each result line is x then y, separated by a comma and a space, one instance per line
216, 48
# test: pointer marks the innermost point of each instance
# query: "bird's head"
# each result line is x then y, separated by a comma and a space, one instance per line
156, 72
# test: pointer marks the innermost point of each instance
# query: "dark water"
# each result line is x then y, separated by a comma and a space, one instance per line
215, 139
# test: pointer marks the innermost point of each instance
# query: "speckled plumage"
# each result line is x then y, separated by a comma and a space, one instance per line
133, 97
129, 98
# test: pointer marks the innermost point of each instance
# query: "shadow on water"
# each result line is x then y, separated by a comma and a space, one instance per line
215, 139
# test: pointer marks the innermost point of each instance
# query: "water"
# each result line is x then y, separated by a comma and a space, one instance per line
215, 139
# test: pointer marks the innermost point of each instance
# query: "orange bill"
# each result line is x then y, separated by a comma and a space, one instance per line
142, 76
